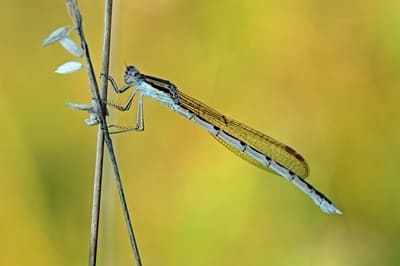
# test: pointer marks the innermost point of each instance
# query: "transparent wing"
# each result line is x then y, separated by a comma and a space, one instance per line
272, 148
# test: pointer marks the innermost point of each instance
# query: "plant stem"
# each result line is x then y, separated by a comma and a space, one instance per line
103, 133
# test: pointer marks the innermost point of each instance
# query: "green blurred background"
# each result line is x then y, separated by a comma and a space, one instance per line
320, 76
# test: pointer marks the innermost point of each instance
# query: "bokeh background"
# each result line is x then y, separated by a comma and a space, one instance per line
320, 76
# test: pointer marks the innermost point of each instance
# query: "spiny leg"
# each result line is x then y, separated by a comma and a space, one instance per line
115, 85
139, 114
139, 117
127, 105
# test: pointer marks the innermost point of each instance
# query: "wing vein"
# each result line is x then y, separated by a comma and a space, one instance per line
281, 153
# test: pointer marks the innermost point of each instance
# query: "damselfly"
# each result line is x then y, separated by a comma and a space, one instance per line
249, 144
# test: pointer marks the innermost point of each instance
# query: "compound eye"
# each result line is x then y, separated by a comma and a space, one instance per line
131, 70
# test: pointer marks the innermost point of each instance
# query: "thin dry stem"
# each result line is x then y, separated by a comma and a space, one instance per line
103, 134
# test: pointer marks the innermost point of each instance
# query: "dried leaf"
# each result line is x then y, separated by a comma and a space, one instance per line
68, 67
56, 35
71, 47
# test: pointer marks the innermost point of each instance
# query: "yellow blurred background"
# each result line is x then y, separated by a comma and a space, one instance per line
320, 76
